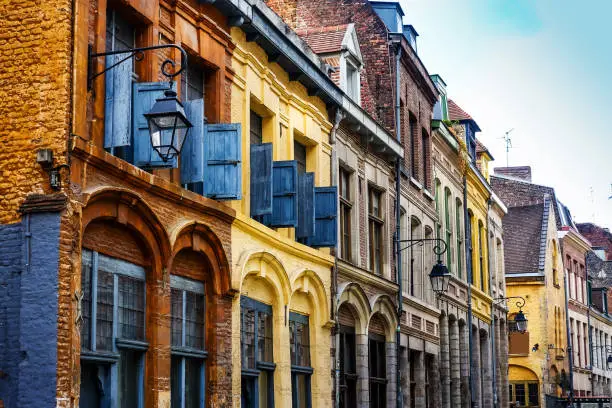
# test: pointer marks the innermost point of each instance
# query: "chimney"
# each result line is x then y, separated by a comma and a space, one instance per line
517, 172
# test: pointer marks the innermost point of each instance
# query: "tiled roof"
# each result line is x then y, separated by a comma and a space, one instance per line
324, 40
456, 113
480, 148
523, 235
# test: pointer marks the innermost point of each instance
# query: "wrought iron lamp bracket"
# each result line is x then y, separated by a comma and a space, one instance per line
438, 249
138, 54
520, 303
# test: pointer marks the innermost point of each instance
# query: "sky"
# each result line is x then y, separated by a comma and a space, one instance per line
540, 67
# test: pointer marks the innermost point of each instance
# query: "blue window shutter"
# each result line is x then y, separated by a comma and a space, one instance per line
192, 155
223, 161
144, 96
261, 179
305, 198
326, 210
118, 103
284, 195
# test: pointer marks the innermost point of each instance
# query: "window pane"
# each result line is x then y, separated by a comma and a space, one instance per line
299, 152
248, 338
193, 379
300, 390
264, 337
104, 315
131, 308
519, 393
177, 316
192, 83
92, 383
194, 320
534, 397
86, 301
175, 382
256, 129
128, 378
300, 344
263, 389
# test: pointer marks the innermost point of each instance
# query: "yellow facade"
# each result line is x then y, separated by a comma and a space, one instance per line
269, 266
478, 197
545, 311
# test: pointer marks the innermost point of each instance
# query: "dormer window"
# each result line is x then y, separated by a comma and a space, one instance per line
350, 65
352, 81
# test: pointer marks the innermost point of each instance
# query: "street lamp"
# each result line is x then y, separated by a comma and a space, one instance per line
168, 126
519, 319
440, 278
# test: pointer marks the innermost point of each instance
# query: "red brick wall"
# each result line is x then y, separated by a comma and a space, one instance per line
598, 236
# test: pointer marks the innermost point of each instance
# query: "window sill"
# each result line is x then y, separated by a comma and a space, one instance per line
415, 183
189, 352
428, 195
301, 369
99, 357
132, 344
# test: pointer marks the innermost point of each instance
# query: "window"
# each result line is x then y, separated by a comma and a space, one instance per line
348, 367
256, 353
256, 127
425, 158
352, 82
471, 243
438, 197
414, 163
378, 371
376, 230
299, 153
481, 256
449, 229
412, 373
301, 370
192, 83
458, 215
188, 343
345, 214
113, 330
525, 394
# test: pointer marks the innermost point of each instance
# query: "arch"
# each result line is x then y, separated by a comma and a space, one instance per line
521, 373
353, 294
201, 239
266, 266
383, 304
129, 210
309, 283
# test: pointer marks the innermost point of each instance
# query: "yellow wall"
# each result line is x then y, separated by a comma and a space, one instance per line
545, 312
268, 265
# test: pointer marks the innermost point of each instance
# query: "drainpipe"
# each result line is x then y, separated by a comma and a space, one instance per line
590, 334
492, 339
468, 267
334, 295
398, 253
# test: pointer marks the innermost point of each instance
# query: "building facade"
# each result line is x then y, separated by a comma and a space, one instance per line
538, 364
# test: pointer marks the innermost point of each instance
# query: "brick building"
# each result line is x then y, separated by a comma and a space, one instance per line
598, 236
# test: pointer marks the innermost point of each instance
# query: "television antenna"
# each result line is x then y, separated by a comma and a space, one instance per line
508, 142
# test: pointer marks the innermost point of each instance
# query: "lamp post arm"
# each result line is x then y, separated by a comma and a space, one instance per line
138, 53
520, 303
438, 249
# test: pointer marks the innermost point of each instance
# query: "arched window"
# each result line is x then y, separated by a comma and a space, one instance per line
471, 246
405, 234
555, 267
481, 255
416, 259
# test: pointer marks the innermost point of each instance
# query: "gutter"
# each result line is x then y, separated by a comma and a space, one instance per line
398, 259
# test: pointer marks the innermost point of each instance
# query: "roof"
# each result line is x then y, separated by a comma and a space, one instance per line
523, 227
456, 113
480, 148
324, 40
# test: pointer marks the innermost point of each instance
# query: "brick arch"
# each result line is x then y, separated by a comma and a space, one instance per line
130, 211
202, 240
265, 265
383, 306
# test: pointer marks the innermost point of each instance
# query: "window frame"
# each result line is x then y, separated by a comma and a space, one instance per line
252, 375
375, 231
375, 362
458, 221
527, 392
109, 361
346, 209
346, 376
186, 354
300, 371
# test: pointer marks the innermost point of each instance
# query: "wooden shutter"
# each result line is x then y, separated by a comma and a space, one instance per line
284, 195
144, 96
326, 209
192, 155
223, 161
306, 215
118, 103
261, 179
